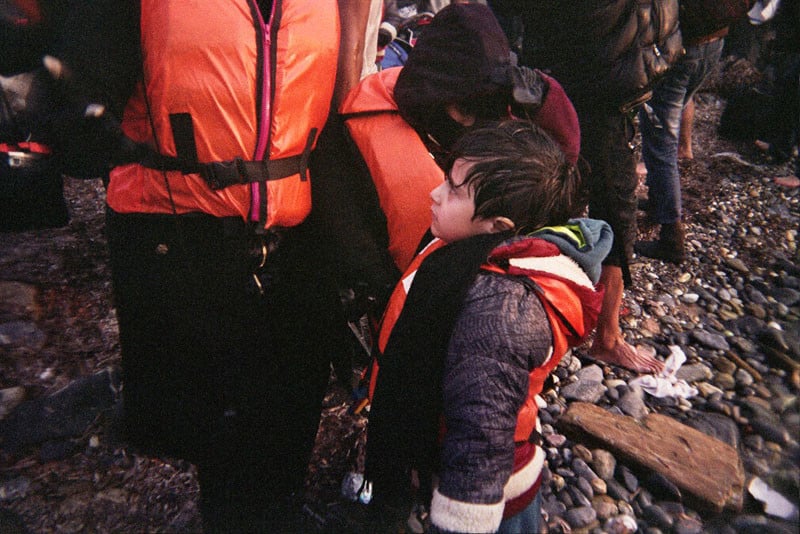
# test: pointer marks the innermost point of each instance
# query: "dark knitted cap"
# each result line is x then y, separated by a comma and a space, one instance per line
462, 54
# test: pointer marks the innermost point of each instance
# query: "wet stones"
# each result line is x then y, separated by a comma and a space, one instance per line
10, 398
53, 420
587, 387
710, 340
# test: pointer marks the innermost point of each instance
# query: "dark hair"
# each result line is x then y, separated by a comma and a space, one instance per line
519, 172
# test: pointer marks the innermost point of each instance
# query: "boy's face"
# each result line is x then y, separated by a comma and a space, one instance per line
453, 207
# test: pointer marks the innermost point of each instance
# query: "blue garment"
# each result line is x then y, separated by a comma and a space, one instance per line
395, 55
660, 121
526, 521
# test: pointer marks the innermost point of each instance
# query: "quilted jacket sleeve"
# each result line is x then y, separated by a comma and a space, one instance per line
500, 335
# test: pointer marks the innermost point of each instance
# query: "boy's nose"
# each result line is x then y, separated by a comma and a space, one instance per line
435, 193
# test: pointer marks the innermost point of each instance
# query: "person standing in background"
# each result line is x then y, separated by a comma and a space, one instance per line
665, 120
607, 55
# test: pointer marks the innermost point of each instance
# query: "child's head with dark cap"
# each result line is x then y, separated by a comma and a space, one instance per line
461, 59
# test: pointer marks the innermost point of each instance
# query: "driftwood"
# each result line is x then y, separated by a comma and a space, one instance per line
708, 472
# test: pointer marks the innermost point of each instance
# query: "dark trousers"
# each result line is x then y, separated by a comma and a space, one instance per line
216, 373
607, 146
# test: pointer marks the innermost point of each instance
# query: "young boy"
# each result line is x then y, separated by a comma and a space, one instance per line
484, 313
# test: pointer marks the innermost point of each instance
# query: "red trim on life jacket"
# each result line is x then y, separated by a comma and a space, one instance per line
25, 146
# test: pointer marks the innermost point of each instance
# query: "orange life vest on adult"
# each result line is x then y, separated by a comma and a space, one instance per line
242, 95
402, 169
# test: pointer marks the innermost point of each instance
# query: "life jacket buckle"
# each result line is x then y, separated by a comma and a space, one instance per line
221, 174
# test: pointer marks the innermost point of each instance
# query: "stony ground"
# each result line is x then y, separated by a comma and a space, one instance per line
732, 308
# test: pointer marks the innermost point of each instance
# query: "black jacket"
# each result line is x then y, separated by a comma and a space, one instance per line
607, 51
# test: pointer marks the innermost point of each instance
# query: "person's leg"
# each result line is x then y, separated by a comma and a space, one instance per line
216, 374
687, 126
609, 345
168, 278
606, 145
659, 124
711, 53
254, 481
783, 136
662, 120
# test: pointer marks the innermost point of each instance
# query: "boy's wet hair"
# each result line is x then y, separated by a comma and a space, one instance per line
519, 172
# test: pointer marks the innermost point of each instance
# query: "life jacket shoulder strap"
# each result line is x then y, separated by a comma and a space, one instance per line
531, 282
366, 114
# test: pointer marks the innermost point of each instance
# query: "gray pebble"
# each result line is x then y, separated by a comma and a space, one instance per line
617, 491
604, 506
787, 296
628, 478
555, 440
603, 464
743, 378
687, 525
554, 507
581, 517
590, 392
21, 334
656, 515
724, 381
770, 431
582, 452
724, 365
710, 339
754, 442
578, 497
694, 372
625, 507
585, 487
583, 470
632, 403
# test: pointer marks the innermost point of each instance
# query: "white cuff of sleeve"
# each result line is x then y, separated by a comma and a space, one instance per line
390, 29
471, 518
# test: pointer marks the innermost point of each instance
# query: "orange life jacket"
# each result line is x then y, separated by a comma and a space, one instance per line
403, 170
237, 93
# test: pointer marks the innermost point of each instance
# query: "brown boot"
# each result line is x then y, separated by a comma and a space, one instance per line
669, 247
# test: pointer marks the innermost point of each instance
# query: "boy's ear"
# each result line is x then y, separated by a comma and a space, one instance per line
501, 224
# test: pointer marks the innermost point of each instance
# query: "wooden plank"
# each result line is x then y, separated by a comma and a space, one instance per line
708, 471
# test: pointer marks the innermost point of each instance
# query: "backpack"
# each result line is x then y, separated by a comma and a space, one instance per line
699, 18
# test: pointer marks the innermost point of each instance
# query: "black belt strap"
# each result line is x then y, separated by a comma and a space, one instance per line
222, 174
